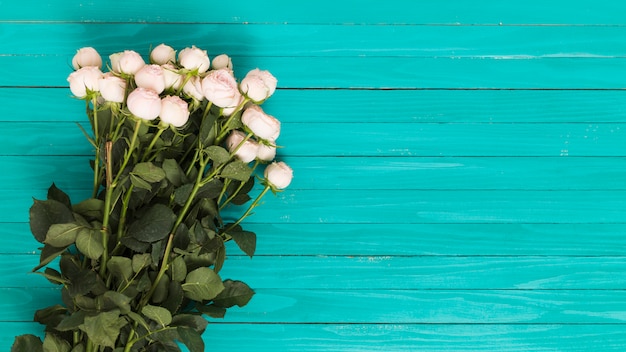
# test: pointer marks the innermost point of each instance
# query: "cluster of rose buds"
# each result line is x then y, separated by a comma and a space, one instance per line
170, 87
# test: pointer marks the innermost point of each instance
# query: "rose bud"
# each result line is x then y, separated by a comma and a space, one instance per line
112, 88
222, 61
194, 59
83, 79
151, 77
144, 103
278, 175
261, 124
174, 111
128, 62
173, 79
266, 152
247, 151
162, 55
115, 62
85, 57
220, 88
193, 88
258, 85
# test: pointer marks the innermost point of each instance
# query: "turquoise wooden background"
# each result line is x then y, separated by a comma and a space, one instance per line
460, 166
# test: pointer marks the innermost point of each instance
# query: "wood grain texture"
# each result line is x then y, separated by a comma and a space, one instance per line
492, 12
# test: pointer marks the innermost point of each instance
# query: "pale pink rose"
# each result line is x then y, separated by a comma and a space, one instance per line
151, 77
220, 88
222, 61
261, 124
115, 62
87, 56
193, 88
112, 88
230, 110
144, 103
84, 79
245, 151
258, 85
162, 54
128, 62
173, 79
194, 58
278, 175
174, 111
266, 152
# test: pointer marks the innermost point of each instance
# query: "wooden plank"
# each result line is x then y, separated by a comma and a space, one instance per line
402, 206
404, 239
372, 139
415, 173
393, 337
392, 106
364, 272
324, 11
391, 306
358, 72
331, 40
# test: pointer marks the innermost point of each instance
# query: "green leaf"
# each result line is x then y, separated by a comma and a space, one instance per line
191, 338
119, 300
121, 267
140, 261
182, 193
207, 133
53, 276
140, 183
51, 315
178, 269
79, 348
246, 240
27, 343
44, 214
53, 343
161, 289
90, 208
211, 189
235, 293
154, 225
159, 314
194, 321
173, 172
62, 235
220, 257
84, 282
218, 154
237, 170
89, 243
202, 284
149, 172
175, 297
55, 193
72, 322
211, 310
104, 328
138, 319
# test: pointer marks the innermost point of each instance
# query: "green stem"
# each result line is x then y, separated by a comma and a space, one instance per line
122, 221
97, 140
224, 130
107, 208
129, 153
232, 196
247, 212
152, 143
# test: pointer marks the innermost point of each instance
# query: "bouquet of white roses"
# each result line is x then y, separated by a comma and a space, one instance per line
176, 141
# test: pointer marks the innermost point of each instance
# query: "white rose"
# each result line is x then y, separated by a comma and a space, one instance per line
220, 87
128, 62
162, 54
266, 152
193, 88
231, 109
258, 85
245, 151
173, 79
87, 56
144, 103
115, 62
174, 111
112, 88
194, 58
83, 79
151, 77
261, 124
222, 61
278, 175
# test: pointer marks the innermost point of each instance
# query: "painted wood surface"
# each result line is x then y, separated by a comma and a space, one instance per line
460, 166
